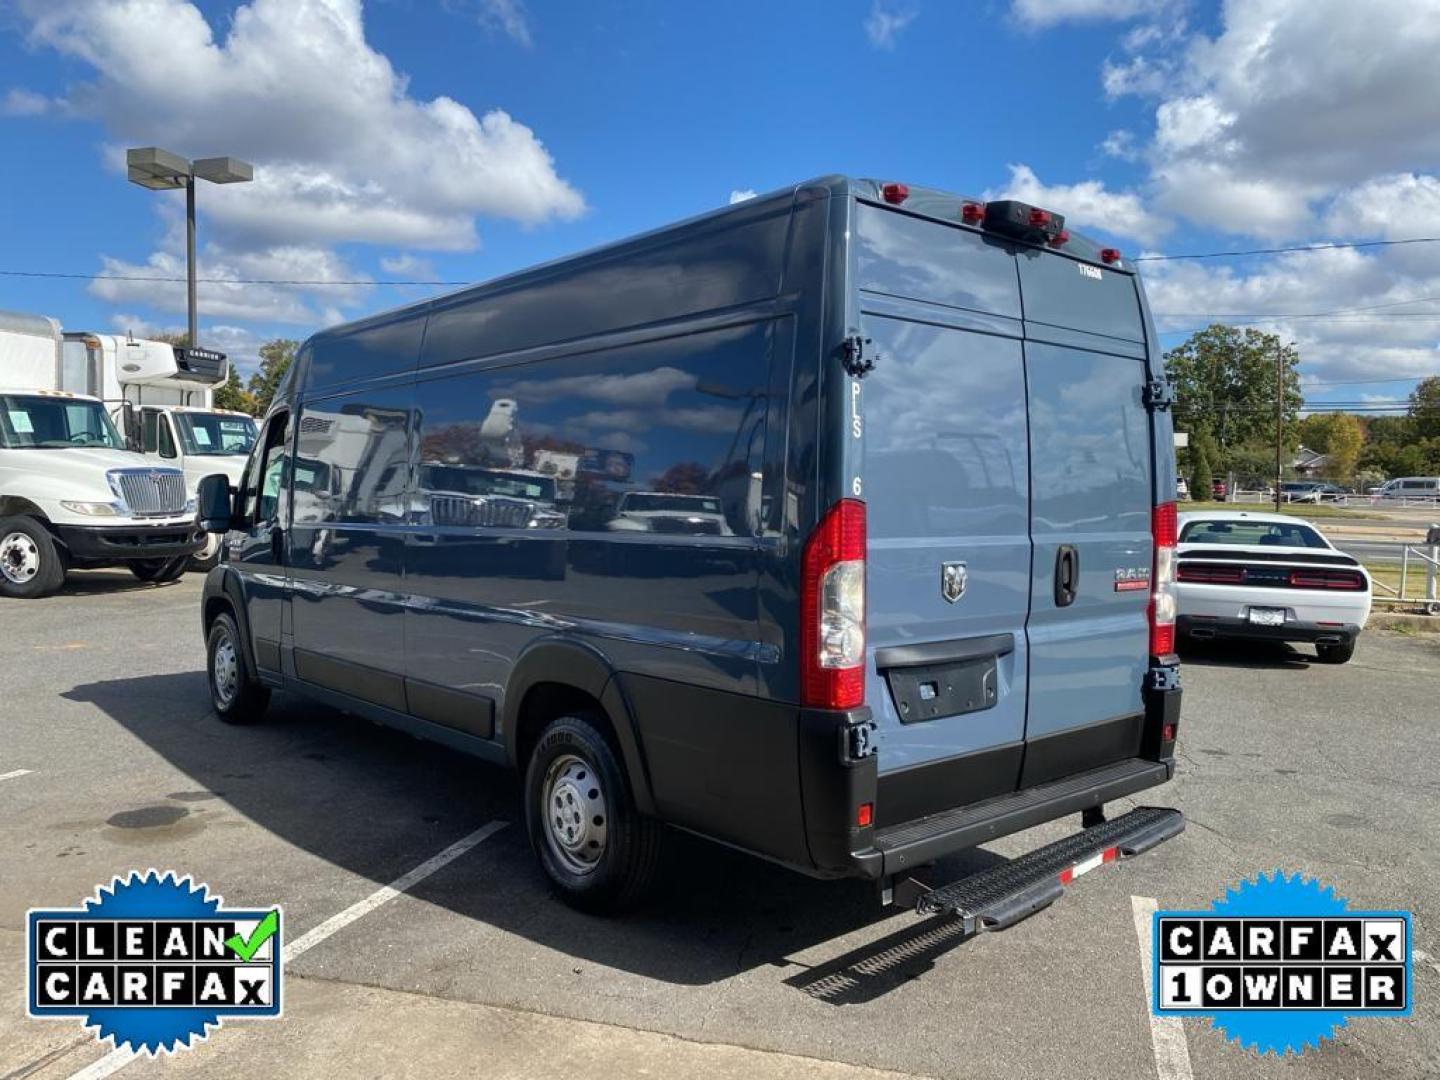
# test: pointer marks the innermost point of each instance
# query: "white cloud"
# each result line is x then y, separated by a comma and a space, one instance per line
228, 297
740, 195
1397, 206
1044, 13
1086, 205
505, 16
1121, 144
886, 21
408, 266
1288, 105
22, 102
341, 148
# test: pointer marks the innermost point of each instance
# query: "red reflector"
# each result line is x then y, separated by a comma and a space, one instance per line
1059, 238
894, 193
1167, 733
972, 213
1038, 217
865, 816
1162, 639
1109, 255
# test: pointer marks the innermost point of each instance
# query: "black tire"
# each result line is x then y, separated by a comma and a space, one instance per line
31, 565
205, 563
237, 697
160, 571
1336, 654
629, 846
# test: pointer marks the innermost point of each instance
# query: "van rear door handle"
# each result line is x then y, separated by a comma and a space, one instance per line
277, 544
1067, 575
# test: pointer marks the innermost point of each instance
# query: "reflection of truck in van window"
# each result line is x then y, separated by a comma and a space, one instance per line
493, 498
661, 512
869, 559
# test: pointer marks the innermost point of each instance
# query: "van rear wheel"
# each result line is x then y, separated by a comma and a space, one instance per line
235, 694
30, 564
598, 850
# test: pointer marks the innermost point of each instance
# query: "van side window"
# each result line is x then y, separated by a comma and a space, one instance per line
264, 473
665, 437
351, 455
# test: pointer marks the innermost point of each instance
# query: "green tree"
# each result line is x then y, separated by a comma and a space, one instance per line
1338, 435
275, 359
1425, 408
1201, 476
233, 395
1225, 383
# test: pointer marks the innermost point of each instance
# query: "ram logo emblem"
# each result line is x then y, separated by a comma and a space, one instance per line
953, 578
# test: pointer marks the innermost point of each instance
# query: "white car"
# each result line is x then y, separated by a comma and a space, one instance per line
1248, 575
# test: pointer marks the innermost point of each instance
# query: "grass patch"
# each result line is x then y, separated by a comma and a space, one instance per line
1300, 510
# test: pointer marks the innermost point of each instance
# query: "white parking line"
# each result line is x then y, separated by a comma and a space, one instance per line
1167, 1033
118, 1059
15, 773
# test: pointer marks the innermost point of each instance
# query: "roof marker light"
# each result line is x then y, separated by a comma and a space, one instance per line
1059, 238
1109, 255
972, 213
895, 194
1039, 218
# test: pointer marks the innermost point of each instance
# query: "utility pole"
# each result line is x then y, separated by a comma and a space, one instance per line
192, 322
1279, 423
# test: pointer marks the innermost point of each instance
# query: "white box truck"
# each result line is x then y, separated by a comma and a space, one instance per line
162, 399
72, 495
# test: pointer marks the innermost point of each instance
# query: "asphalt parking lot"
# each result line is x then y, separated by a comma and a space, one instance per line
1285, 763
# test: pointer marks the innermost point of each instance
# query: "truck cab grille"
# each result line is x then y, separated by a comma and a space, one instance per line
150, 492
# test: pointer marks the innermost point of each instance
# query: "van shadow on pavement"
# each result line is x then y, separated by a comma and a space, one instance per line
377, 802
1258, 655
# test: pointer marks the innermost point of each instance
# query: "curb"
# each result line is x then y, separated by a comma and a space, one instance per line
1423, 624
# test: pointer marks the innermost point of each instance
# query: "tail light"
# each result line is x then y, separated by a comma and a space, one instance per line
1327, 579
1210, 575
1162, 581
832, 610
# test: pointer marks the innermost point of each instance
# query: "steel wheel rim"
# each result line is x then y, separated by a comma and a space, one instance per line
574, 815
225, 671
19, 558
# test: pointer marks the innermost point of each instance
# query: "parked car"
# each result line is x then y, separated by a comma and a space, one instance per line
895, 613
1182, 489
1269, 576
1219, 490
1310, 491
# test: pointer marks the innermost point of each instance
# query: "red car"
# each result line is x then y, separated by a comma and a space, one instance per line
1218, 490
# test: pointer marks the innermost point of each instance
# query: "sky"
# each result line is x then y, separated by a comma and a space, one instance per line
457, 140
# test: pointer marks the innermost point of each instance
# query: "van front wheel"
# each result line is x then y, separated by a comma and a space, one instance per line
236, 695
600, 852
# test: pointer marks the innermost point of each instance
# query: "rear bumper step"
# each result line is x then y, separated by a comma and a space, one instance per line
913, 843
1000, 897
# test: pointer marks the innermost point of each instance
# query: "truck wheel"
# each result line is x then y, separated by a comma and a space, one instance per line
30, 564
1336, 654
160, 571
598, 850
235, 693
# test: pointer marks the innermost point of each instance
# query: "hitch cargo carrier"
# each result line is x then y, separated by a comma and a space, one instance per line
1001, 896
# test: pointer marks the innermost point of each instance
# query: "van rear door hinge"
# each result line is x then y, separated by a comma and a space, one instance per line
854, 355
1159, 394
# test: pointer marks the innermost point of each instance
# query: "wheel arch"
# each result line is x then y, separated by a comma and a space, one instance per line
223, 593
19, 506
557, 676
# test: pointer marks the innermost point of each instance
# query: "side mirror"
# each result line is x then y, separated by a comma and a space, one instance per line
213, 499
131, 430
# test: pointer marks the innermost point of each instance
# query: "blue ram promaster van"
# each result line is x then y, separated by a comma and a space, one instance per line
836, 526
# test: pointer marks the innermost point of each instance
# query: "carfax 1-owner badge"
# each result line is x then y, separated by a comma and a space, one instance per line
152, 961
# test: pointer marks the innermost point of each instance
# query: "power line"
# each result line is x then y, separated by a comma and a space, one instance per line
1286, 250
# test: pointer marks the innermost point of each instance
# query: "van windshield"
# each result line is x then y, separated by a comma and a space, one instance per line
215, 434
53, 423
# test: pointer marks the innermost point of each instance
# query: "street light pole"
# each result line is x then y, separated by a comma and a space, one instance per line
160, 170
192, 315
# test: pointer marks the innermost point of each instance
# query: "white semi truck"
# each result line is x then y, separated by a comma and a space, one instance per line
162, 399
72, 494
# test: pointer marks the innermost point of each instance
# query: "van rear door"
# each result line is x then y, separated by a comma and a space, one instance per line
946, 487
1091, 498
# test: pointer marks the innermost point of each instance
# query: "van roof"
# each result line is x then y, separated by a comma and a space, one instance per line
932, 203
